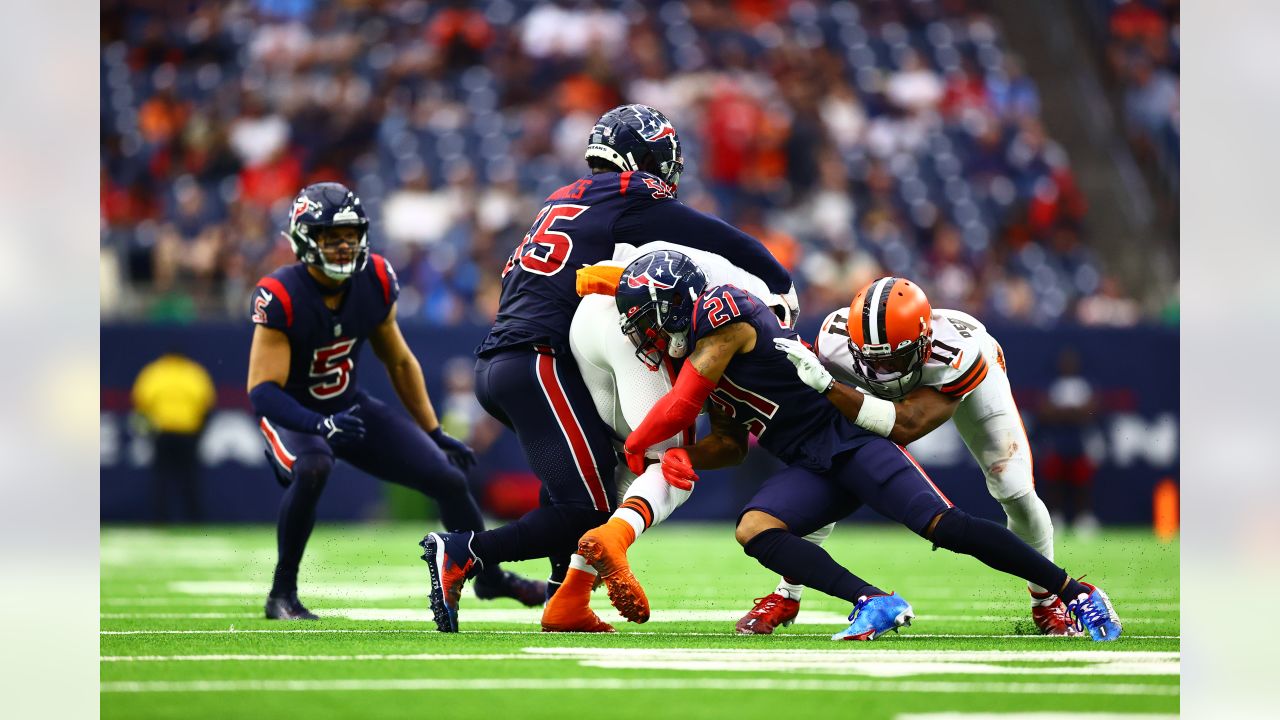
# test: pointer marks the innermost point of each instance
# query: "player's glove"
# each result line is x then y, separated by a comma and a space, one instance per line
635, 460
342, 428
462, 457
677, 469
808, 366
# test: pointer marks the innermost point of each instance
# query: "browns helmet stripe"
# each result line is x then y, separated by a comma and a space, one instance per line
873, 307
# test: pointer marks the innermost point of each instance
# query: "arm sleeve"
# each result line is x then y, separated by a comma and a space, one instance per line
678, 223
674, 412
271, 401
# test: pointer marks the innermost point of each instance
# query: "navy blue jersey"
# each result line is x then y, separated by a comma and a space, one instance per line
760, 388
324, 344
579, 225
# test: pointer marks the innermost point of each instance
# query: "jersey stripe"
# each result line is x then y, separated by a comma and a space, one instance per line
579, 448
624, 179
380, 268
276, 287
972, 377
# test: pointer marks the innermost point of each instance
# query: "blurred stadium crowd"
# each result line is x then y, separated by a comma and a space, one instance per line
854, 139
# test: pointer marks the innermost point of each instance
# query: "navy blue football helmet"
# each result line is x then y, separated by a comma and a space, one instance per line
655, 301
326, 205
637, 137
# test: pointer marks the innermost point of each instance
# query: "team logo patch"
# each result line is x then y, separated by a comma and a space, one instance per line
646, 280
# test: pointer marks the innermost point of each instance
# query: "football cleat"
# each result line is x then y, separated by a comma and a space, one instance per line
288, 608
769, 612
607, 553
875, 615
501, 583
1051, 616
1094, 613
450, 561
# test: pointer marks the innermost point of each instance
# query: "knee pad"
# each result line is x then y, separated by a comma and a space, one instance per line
1009, 478
311, 471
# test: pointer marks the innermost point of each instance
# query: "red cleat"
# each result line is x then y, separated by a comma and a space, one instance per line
769, 612
1051, 616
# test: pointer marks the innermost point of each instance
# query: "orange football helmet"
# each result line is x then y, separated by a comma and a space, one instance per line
890, 335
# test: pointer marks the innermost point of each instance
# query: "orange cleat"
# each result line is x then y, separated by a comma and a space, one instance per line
569, 610
605, 549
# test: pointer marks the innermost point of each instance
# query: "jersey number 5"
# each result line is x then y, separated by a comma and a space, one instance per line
543, 250
332, 364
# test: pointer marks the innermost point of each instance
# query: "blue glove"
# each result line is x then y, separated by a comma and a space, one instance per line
342, 428
462, 457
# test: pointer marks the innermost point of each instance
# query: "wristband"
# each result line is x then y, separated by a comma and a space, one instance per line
876, 415
272, 402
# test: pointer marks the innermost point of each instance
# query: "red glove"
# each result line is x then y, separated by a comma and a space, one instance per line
635, 461
677, 469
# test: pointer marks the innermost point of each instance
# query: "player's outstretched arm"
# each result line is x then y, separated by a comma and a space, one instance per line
404, 371
678, 409
904, 422
406, 377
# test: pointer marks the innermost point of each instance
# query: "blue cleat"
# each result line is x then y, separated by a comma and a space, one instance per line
875, 615
1093, 612
450, 561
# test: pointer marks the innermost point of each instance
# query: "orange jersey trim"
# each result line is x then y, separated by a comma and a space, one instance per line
970, 380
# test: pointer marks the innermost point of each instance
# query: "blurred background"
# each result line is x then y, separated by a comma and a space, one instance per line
1020, 159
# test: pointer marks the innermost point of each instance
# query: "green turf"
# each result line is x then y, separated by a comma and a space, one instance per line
373, 655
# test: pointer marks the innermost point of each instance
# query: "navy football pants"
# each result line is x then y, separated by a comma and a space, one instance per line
394, 449
542, 398
879, 474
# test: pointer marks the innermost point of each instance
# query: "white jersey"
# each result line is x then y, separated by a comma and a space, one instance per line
959, 359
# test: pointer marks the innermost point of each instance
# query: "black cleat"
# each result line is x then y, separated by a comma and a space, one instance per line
500, 583
444, 554
288, 608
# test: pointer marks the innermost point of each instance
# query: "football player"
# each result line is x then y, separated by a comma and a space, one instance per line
310, 321
526, 375
623, 387
833, 465
917, 375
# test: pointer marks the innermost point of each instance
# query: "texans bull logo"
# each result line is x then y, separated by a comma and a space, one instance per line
646, 280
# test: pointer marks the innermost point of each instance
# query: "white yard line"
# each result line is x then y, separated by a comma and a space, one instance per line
544, 653
411, 631
597, 684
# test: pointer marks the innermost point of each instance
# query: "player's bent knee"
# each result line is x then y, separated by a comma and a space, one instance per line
948, 529
311, 471
754, 522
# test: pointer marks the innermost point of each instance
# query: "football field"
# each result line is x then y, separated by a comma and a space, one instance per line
183, 635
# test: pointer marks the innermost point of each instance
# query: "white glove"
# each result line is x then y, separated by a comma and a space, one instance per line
808, 366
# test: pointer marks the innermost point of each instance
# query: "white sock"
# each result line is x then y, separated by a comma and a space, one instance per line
651, 492
1029, 520
791, 590
576, 562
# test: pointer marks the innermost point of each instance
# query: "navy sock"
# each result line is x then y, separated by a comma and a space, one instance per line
999, 548
542, 532
803, 562
297, 518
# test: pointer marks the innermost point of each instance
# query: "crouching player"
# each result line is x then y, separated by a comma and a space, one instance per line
833, 466
917, 376
311, 319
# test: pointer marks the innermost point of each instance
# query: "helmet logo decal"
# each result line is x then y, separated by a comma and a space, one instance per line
303, 205
646, 280
664, 132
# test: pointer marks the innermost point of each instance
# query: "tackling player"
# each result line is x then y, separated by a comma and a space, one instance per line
919, 375
526, 375
833, 465
311, 320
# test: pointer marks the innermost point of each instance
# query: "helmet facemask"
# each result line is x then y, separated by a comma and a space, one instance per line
312, 248
658, 328
892, 373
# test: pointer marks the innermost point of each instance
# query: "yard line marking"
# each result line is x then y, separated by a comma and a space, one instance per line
545, 653
1033, 716
177, 616
873, 663
624, 633
911, 686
